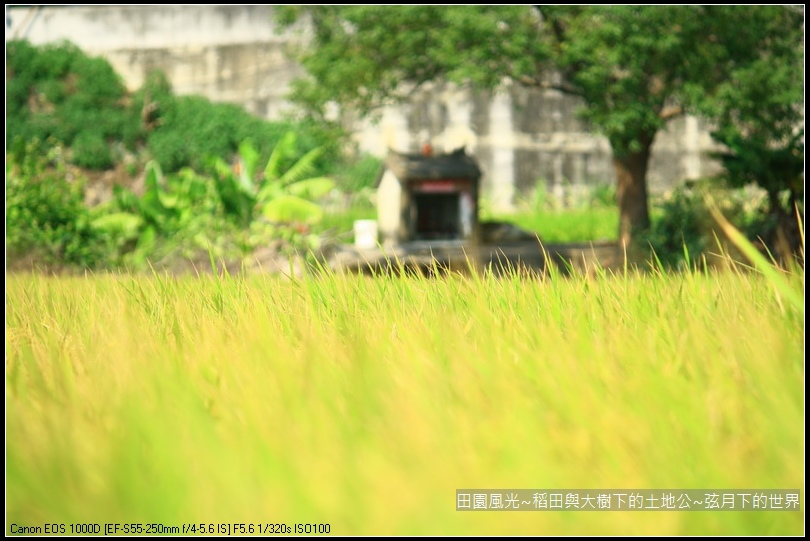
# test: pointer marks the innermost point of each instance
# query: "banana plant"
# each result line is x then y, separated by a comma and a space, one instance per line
169, 205
280, 196
139, 219
265, 204
289, 196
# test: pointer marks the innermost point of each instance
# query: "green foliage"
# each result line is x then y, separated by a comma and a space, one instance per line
80, 105
46, 219
627, 63
683, 229
758, 106
194, 128
363, 53
281, 195
179, 216
360, 175
603, 195
149, 107
56, 91
773, 168
186, 215
91, 151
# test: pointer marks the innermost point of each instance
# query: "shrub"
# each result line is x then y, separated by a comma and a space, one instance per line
360, 175
682, 220
91, 151
46, 218
56, 91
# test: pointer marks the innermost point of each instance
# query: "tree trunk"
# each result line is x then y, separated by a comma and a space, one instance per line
631, 192
786, 241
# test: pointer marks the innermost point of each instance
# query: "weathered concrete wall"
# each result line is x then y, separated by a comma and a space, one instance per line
234, 53
525, 137
225, 53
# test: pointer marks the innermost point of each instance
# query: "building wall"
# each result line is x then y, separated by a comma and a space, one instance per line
520, 137
389, 203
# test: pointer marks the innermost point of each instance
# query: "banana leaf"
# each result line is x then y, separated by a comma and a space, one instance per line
289, 208
125, 224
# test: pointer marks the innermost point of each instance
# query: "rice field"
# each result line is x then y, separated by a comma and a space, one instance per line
365, 403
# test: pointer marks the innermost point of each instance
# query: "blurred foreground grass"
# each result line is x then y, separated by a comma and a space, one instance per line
365, 403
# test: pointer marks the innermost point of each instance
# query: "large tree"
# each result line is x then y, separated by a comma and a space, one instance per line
758, 111
634, 67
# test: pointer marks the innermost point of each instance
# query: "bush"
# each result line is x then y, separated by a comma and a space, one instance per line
681, 220
360, 175
46, 219
79, 105
91, 151
56, 91
193, 129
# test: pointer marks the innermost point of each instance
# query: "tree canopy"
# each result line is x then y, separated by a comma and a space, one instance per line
634, 67
758, 111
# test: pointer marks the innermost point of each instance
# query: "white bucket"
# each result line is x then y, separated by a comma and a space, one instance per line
365, 233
